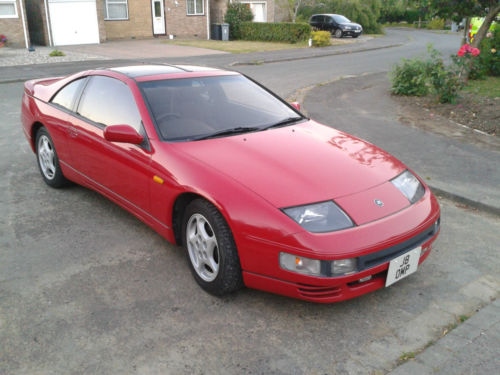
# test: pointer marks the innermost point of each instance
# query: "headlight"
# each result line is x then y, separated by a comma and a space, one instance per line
343, 267
347, 27
302, 265
319, 217
409, 185
316, 267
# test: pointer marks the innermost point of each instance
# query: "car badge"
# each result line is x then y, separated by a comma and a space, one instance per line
379, 203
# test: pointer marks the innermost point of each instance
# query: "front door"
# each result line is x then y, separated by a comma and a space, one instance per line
158, 17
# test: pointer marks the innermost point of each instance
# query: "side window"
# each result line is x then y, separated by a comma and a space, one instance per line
329, 20
109, 101
66, 96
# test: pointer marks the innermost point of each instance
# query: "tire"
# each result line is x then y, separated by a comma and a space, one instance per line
338, 33
210, 249
47, 159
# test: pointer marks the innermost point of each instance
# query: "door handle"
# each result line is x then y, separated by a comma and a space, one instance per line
73, 133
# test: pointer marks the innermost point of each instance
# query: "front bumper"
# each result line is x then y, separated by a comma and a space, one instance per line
352, 32
374, 244
335, 289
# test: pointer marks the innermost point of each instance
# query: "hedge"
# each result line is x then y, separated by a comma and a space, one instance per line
275, 32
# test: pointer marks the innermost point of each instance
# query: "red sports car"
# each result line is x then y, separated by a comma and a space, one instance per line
257, 193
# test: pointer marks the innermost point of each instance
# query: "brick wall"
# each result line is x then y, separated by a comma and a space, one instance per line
12, 28
281, 13
218, 10
139, 24
183, 26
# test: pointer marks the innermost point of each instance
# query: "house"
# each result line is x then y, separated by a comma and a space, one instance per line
13, 23
63, 22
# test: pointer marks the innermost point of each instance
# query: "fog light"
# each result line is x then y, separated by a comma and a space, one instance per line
344, 266
306, 266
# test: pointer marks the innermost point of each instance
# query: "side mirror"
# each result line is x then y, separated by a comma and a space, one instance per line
295, 105
122, 134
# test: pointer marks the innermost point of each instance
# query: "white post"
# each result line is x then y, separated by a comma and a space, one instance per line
208, 19
49, 31
24, 24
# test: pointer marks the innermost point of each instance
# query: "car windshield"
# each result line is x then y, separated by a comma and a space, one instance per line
341, 19
208, 107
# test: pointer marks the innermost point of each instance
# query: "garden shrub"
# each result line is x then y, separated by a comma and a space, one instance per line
410, 78
436, 24
275, 32
320, 38
236, 14
417, 77
489, 59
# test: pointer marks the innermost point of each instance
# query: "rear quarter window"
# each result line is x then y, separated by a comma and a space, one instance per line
66, 96
108, 101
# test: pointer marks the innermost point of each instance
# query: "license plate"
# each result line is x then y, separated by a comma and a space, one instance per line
402, 266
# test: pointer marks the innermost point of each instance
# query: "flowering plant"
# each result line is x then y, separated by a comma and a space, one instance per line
465, 49
3, 40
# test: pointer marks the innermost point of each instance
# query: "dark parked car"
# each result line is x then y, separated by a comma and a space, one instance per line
336, 24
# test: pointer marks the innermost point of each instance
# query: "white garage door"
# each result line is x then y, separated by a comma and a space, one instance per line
73, 22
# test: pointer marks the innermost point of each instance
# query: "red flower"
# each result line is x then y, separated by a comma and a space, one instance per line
468, 49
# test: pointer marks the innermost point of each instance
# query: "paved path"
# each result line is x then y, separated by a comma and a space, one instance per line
472, 348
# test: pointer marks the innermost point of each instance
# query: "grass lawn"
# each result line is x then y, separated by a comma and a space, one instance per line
236, 46
487, 87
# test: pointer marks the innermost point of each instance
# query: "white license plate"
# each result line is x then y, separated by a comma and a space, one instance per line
402, 266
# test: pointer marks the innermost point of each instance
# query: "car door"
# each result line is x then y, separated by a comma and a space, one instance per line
120, 170
331, 24
314, 21
59, 120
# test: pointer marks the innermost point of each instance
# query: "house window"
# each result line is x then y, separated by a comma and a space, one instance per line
116, 9
195, 7
8, 9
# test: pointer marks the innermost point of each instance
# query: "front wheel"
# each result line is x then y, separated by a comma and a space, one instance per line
48, 162
211, 250
338, 33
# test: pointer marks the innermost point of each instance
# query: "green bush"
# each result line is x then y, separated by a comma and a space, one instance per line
275, 32
417, 77
489, 59
321, 38
410, 78
236, 14
436, 24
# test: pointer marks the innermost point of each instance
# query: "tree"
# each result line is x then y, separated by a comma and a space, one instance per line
292, 7
458, 9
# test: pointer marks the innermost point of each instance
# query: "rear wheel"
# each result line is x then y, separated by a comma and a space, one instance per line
211, 250
48, 162
338, 33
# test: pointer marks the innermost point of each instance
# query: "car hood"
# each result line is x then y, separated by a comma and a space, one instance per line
352, 24
299, 164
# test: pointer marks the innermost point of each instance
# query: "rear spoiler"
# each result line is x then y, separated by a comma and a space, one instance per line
38, 87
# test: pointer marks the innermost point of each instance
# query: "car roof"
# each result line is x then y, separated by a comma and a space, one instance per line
326, 14
135, 71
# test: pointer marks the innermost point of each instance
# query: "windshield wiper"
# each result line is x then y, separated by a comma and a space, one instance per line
231, 131
286, 121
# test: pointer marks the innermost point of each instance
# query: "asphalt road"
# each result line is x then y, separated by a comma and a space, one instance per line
86, 288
